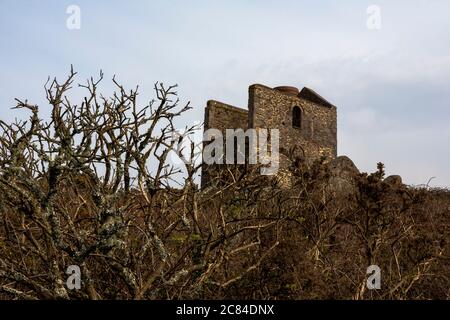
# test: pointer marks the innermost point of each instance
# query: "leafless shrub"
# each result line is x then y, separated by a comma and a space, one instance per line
93, 187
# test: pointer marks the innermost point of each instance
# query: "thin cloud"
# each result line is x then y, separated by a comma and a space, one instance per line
390, 85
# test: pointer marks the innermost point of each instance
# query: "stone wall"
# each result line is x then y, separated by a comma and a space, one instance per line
272, 109
222, 116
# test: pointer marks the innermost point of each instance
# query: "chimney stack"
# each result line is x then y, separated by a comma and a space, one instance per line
289, 90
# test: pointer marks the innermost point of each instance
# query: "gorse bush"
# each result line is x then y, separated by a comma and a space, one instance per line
91, 187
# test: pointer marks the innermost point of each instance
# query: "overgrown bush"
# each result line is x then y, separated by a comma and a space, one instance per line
93, 187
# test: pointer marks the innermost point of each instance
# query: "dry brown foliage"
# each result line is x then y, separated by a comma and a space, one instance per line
91, 187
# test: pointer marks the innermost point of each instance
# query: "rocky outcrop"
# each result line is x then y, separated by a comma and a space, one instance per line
342, 176
395, 180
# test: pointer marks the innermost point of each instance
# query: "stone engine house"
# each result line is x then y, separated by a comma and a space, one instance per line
305, 120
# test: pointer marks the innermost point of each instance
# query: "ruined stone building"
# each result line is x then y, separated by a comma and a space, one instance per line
306, 121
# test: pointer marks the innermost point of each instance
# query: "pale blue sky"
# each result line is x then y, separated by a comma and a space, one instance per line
391, 86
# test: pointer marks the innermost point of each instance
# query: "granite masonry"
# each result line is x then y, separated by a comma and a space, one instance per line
305, 120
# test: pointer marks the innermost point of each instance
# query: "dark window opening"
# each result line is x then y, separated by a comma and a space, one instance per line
297, 117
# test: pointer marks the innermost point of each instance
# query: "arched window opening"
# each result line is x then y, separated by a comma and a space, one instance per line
297, 117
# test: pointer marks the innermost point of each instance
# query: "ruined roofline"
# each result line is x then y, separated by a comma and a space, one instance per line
311, 95
306, 93
219, 104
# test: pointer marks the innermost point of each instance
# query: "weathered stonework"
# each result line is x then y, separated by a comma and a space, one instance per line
314, 134
223, 116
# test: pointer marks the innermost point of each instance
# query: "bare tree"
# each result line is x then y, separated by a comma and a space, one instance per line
93, 187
